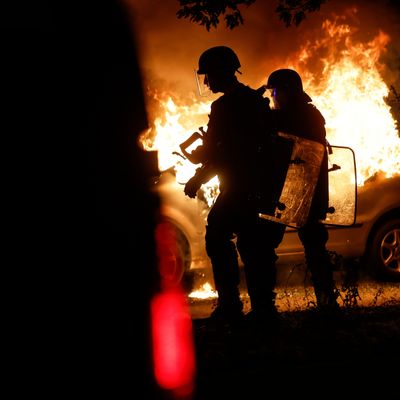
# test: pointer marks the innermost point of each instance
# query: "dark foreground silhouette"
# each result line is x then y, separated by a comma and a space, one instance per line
305, 353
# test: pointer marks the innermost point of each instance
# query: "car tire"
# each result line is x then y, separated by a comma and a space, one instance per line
181, 258
383, 257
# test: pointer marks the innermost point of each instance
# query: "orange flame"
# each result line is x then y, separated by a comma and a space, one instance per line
348, 89
351, 93
175, 126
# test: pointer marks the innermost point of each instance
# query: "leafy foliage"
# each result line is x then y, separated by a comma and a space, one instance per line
293, 12
208, 12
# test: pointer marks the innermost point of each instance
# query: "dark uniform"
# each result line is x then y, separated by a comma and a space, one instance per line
297, 116
238, 128
236, 123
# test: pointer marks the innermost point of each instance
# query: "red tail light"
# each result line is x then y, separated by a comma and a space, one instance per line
174, 362
173, 347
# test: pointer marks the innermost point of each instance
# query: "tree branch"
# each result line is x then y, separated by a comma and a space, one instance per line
208, 12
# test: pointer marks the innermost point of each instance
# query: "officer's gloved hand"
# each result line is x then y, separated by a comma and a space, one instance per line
192, 186
196, 156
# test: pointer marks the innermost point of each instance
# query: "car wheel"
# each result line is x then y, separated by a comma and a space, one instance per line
180, 257
384, 254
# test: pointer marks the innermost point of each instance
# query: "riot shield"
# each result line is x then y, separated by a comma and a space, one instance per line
342, 187
301, 177
304, 165
274, 155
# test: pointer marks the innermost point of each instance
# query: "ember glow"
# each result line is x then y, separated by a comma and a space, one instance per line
204, 292
349, 90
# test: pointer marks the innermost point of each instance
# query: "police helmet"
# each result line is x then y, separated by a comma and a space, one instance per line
218, 58
287, 79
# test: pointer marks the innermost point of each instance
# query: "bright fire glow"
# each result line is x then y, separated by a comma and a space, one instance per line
176, 125
349, 90
204, 292
351, 94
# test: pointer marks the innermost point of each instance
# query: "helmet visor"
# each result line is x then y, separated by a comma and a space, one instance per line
202, 84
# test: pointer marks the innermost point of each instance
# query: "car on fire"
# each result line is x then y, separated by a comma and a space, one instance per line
372, 241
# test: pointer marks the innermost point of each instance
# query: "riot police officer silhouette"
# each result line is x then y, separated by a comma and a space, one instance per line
238, 123
295, 114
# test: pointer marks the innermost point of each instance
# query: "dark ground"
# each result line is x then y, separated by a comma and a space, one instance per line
308, 354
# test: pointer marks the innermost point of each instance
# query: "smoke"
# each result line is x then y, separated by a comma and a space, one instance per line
170, 47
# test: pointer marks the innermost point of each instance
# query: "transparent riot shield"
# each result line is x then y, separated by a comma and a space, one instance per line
301, 178
274, 155
294, 202
342, 187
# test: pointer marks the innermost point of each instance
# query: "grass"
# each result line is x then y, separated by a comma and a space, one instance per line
295, 292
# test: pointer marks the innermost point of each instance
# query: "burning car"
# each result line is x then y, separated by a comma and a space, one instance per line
186, 217
352, 94
373, 239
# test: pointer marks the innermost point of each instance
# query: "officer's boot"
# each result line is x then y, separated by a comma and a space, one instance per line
229, 307
260, 282
322, 278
